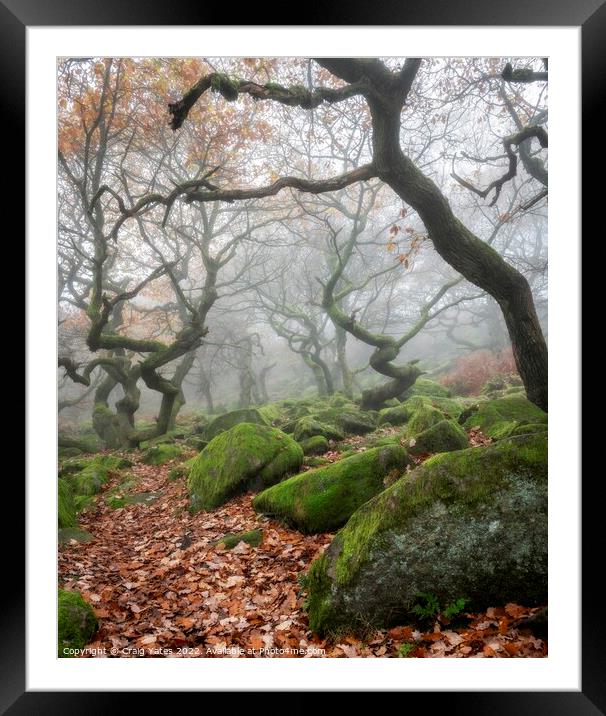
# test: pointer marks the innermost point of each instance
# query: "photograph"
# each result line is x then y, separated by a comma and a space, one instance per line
302, 369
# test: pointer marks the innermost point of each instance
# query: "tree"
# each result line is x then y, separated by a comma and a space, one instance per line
385, 92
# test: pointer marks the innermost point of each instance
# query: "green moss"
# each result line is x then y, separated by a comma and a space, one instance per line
226, 86
275, 87
444, 436
358, 423
160, 440
67, 534
90, 480
160, 454
247, 456
528, 428
83, 502
422, 419
424, 386
69, 452
317, 445
272, 413
315, 461
235, 417
76, 622
470, 522
395, 416
500, 418
105, 462
309, 427
338, 400
323, 499
253, 538
66, 509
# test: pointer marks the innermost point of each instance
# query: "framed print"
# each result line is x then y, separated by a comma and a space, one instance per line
302, 406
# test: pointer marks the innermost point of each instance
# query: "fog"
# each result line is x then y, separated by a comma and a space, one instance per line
269, 298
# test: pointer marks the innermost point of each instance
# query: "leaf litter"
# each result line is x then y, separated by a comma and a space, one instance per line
161, 587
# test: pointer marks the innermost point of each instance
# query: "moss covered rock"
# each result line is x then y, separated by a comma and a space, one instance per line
528, 428
468, 524
500, 418
252, 537
272, 413
235, 417
76, 622
395, 416
160, 454
317, 445
358, 423
90, 480
422, 419
424, 386
68, 534
323, 499
247, 456
308, 427
66, 507
105, 462
444, 436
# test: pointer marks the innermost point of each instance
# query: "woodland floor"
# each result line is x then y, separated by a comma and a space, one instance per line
161, 588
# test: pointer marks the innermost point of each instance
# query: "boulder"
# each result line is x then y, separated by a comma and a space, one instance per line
88, 481
423, 418
76, 623
323, 499
500, 418
395, 416
235, 417
468, 524
317, 445
308, 427
358, 423
444, 436
245, 457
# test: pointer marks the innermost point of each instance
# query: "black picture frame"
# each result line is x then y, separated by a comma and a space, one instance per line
590, 15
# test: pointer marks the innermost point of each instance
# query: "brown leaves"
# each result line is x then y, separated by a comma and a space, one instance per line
154, 598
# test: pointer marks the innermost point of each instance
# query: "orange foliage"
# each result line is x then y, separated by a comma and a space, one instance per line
473, 370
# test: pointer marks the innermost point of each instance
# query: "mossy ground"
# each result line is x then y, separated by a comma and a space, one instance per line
76, 622
160, 454
66, 507
323, 499
504, 416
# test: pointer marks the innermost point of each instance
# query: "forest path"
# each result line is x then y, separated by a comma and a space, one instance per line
158, 582
161, 587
